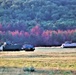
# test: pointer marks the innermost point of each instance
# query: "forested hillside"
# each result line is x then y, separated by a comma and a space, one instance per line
50, 14
23, 17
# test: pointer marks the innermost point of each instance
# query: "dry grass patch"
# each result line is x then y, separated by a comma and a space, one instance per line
56, 58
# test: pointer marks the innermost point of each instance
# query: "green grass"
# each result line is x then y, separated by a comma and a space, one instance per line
20, 71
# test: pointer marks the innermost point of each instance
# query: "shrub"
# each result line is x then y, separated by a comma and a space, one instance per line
29, 69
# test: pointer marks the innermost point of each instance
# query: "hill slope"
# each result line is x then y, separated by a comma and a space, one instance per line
38, 22
50, 14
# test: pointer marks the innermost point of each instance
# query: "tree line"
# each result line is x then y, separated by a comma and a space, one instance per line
39, 37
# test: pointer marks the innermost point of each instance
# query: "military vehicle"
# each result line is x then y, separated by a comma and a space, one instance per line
10, 47
28, 47
7, 46
68, 45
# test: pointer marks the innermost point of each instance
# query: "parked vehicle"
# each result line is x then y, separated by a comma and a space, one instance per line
7, 46
68, 45
28, 47
10, 47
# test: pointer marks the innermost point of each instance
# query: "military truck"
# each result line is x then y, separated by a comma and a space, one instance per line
10, 47
7, 46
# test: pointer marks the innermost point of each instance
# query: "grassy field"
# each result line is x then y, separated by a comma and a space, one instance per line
44, 60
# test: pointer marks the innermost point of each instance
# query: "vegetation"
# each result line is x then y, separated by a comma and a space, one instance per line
37, 21
25, 14
39, 59
20, 71
46, 61
37, 37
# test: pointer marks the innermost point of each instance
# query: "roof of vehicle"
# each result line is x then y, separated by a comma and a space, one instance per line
28, 45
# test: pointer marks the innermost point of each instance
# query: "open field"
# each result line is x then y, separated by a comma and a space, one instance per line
45, 60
